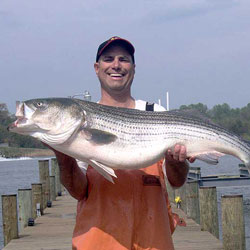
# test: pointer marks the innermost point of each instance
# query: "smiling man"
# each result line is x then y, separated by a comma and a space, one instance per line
115, 69
134, 212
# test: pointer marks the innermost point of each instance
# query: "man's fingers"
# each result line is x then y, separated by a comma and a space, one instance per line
182, 154
179, 153
176, 152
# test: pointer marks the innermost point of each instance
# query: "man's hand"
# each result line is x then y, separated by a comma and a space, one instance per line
179, 154
176, 165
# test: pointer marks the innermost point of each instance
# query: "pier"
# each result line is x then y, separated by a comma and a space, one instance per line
53, 225
54, 230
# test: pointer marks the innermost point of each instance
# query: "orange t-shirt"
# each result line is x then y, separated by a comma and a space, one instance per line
133, 213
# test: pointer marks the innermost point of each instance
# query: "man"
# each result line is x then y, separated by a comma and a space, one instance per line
134, 212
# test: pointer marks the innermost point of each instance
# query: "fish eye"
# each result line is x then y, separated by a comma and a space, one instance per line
39, 104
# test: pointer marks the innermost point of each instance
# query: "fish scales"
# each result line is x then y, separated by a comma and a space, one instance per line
136, 120
151, 120
192, 127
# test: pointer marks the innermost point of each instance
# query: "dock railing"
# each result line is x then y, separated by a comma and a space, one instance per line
200, 204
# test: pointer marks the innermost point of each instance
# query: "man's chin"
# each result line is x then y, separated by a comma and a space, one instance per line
119, 89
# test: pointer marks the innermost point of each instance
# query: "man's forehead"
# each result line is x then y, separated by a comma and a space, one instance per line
116, 50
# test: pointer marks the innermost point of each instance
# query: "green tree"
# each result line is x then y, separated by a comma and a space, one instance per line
5, 117
199, 107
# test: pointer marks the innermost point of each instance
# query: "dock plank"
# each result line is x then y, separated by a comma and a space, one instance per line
53, 231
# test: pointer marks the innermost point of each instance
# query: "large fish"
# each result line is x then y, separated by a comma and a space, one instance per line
111, 138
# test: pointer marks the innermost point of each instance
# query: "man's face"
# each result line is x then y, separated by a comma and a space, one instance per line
115, 70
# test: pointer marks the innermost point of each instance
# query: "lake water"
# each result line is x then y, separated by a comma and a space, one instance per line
17, 174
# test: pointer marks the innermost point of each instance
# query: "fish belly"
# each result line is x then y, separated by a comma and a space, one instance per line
116, 155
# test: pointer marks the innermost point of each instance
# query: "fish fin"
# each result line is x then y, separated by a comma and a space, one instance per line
99, 136
209, 157
105, 171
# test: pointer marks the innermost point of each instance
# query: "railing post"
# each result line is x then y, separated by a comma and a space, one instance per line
52, 188
209, 210
37, 198
192, 200
56, 172
44, 178
25, 207
9, 213
233, 227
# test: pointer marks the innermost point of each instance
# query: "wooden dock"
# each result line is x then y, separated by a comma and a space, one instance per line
192, 238
53, 231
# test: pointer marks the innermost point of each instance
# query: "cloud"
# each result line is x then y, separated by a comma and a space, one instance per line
175, 10
62, 12
7, 19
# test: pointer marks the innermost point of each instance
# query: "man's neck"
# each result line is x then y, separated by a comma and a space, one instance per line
118, 101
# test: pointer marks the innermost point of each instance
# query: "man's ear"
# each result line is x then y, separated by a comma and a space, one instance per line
96, 66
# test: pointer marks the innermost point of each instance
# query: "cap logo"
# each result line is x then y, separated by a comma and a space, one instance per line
114, 38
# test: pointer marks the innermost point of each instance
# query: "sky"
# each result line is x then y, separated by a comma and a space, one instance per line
197, 50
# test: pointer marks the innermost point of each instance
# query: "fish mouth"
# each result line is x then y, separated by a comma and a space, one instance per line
17, 124
23, 123
20, 121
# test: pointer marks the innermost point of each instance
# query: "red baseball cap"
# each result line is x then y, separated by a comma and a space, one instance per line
115, 39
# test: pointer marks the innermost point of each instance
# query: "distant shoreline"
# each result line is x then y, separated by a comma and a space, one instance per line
14, 152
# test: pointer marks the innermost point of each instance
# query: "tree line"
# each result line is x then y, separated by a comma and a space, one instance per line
235, 120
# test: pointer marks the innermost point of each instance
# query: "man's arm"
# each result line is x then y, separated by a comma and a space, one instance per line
72, 177
177, 166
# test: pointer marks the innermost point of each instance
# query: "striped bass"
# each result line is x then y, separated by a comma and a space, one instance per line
110, 138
